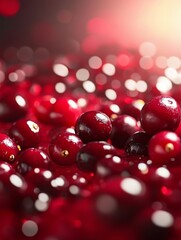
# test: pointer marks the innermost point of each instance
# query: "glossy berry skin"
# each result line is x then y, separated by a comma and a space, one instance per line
163, 147
64, 148
122, 128
137, 144
89, 155
110, 165
32, 158
64, 112
42, 108
25, 133
93, 126
13, 106
8, 149
159, 114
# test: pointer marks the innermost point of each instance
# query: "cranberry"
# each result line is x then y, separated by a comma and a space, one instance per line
13, 106
160, 113
163, 147
133, 108
137, 144
25, 133
40, 179
123, 127
111, 164
64, 148
42, 108
110, 109
93, 126
91, 153
156, 222
32, 158
131, 194
64, 112
8, 149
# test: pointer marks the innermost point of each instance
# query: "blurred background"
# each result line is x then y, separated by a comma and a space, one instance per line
68, 26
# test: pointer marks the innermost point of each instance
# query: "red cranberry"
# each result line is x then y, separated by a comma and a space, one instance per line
156, 223
93, 126
131, 195
160, 113
163, 147
137, 144
64, 148
32, 158
13, 106
8, 149
42, 108
133, 108
111, 164
26, 133
64, 112
40, 179
110, 109
123, 127
91, 153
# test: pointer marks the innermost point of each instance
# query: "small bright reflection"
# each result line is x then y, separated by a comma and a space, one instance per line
60, 87
82, 102
143, 168
141, 86
29, 228
72, 103
13, 77
171, 73
109, 69
130, 84
163, 172
102, 170
60, 70
139, 103
41, 206
111, 94
58, 182
106, 204
47, 174
82, 74
116, 159
43, 197
16, 181
163, 84
161, 62
33, 126
130, 121
147, 49
115, 108
20, 100
73, 189
174, 62
89, 86
162, 219
177, 80
132, 186
146, 63
95, 62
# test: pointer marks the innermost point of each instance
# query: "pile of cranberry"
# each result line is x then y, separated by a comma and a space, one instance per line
78, 164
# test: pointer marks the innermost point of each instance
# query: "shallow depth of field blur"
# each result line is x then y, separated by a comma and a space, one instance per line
74, 25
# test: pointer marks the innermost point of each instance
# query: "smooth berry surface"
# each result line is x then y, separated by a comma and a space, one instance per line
164, 146
160, 113
64, 148
9, 150
25, 133
93, 126
123, 127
